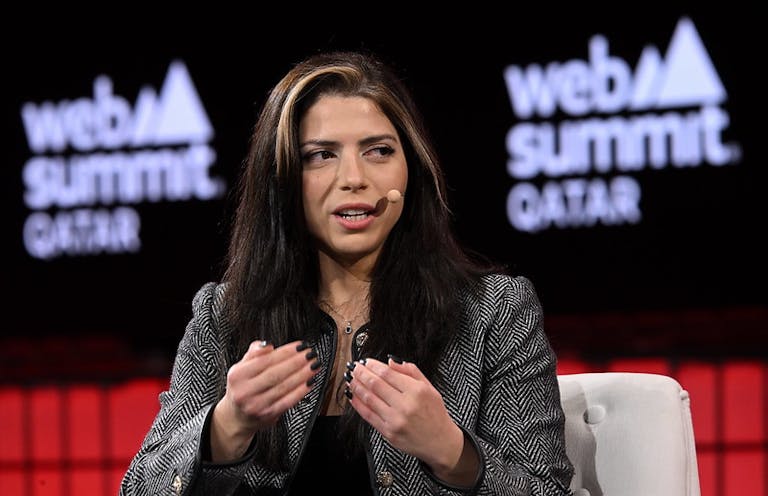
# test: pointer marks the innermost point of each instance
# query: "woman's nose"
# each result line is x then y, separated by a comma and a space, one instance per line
351, 173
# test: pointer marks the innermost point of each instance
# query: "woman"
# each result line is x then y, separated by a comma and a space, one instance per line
352, 342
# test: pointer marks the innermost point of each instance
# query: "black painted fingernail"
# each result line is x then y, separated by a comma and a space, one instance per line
315, 365
348, 393
351, 365
312, 354
311, 380
363, 360
395, 358
348, 376
302, 346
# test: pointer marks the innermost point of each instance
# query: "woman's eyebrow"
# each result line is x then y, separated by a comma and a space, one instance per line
365, 141
375, 138
319, 142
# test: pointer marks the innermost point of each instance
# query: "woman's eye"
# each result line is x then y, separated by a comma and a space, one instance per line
382, 151
318, 156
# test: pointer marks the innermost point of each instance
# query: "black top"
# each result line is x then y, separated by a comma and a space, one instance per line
325, 464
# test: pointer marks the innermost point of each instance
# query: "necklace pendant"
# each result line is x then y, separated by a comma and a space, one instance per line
348, 329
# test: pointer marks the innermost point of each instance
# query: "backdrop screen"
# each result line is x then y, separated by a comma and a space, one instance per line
615, 161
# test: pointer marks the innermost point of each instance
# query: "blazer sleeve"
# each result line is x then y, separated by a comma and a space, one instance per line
520, 431
169, 458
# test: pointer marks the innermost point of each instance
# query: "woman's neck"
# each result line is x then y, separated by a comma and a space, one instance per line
343, 284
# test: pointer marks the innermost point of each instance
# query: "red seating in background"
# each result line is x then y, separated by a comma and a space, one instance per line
76, 438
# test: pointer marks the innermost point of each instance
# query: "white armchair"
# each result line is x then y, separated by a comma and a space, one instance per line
629, 434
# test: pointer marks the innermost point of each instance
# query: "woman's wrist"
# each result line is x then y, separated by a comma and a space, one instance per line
228, 440
460, 463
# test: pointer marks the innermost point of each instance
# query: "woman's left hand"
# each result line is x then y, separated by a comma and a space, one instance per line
400, 402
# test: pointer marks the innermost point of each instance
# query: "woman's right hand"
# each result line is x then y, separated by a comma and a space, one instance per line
266, 382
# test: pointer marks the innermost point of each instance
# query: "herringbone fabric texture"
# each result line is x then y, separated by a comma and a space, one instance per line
501, 388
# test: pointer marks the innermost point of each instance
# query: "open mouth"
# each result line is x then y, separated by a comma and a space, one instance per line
353, 214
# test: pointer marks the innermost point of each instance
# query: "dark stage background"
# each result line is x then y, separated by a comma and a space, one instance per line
698, 245
684, 281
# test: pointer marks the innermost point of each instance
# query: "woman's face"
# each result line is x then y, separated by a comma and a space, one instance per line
351, 156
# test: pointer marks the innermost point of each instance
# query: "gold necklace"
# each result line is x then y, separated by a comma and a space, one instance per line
334, 310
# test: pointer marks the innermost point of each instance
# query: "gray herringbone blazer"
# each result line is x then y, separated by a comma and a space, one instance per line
501, 388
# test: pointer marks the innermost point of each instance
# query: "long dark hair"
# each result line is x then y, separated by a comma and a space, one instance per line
272, 273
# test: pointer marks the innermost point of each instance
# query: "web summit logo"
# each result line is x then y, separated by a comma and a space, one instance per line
95, 158
612, 121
